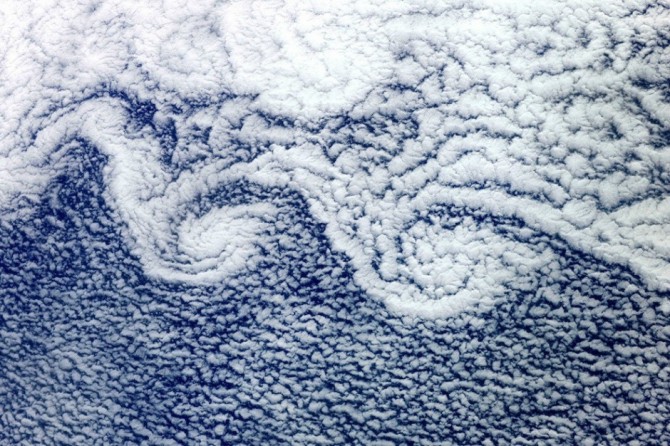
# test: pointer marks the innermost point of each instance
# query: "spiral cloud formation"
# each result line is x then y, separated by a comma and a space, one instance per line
410, 129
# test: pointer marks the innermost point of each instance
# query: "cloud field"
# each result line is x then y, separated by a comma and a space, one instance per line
269, 222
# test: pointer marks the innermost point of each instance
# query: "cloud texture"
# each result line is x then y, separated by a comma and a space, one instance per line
419, 221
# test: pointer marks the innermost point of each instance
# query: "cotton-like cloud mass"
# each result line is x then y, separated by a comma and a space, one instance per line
443, 162
378, 114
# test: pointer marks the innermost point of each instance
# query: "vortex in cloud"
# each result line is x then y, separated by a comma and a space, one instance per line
443, 145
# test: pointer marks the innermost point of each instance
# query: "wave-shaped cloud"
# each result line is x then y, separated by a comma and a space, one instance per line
443, 144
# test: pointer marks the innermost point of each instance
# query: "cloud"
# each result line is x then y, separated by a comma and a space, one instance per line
411, 129
354, 223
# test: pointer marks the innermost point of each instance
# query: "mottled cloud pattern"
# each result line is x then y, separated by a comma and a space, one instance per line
269, 222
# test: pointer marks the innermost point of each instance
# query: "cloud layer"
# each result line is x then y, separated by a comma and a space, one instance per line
262, 205
378, 114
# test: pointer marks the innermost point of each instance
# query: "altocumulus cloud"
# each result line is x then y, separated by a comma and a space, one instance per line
267, 222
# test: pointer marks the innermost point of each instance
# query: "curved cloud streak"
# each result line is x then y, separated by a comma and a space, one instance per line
443, 144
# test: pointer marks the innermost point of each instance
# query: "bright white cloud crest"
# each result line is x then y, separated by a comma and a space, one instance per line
444, 144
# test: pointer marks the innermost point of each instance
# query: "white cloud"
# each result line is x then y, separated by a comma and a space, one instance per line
549, 116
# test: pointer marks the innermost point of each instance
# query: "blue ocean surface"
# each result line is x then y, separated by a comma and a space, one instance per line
249, 223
